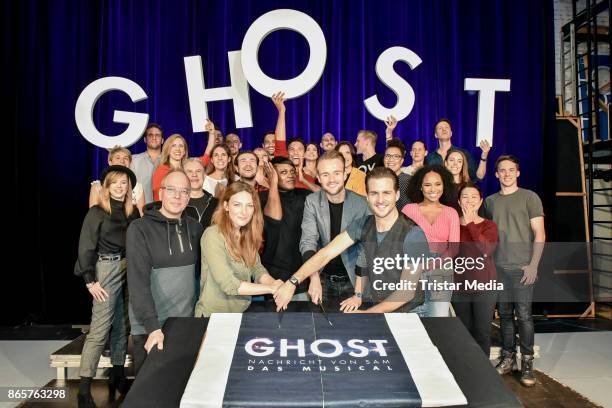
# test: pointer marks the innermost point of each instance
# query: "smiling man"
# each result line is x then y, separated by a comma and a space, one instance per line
385, 234
328, 142
519, 216
326, 213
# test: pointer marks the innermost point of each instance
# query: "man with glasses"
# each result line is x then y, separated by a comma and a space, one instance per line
163, 256
144, 164
394, 160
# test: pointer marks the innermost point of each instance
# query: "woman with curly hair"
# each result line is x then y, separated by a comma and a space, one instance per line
432, 193
231, 268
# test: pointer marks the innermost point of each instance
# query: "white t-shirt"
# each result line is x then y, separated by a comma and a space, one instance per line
210, 184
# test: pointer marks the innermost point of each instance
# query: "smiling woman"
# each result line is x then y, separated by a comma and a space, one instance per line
173, 156
102, 265
231, 268
432, 192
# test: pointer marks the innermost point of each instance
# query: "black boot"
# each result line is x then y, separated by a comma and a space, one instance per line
507, 363
85, 400
117, 381
527, 376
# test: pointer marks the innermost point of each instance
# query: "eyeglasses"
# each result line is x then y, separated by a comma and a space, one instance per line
183, 192
393, 156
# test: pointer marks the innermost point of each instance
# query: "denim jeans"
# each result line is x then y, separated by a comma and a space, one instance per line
335, 289
515, 299
437, 302
104, 315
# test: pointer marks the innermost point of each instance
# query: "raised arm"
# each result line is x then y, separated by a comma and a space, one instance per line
482, 163
273, 208
210, 128
280, 133
391, 123
279, 101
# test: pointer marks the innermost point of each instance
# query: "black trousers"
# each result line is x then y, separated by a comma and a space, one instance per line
139, 354
475, 310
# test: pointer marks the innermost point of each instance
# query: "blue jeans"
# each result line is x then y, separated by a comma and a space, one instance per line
437, 302
515, 299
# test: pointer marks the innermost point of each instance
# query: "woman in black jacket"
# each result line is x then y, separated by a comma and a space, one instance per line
101, 263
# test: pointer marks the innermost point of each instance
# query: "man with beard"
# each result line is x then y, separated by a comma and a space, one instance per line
269, 144
247, 165
385, 235
443, 134
283, 206
328, 142
232, 140
143, 164
326, 213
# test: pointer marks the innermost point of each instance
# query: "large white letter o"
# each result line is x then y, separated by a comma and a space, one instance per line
289, 20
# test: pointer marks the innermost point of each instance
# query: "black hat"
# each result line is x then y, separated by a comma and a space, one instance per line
120, 169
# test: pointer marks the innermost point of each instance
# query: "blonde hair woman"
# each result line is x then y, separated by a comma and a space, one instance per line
173, 156
101, 263
121, 156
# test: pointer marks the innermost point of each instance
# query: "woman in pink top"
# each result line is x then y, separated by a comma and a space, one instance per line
432, 193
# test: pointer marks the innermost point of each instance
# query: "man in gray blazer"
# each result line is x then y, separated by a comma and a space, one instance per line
327, 213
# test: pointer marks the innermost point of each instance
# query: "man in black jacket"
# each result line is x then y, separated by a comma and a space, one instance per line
163, 254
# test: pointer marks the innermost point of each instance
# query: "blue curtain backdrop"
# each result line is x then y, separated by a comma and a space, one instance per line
52, 50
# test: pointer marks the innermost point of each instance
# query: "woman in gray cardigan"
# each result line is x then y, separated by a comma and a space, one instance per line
231, 269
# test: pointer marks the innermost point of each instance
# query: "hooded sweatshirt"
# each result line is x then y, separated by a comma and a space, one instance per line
162, 257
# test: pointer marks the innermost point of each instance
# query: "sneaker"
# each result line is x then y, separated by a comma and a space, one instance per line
527, 376
507, 363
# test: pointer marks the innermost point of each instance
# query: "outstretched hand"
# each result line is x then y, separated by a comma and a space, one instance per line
270, 173
279, 101
485, 147
391, 123
210, 127
283, 296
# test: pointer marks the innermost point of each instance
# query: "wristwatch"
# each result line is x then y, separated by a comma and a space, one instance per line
89, 285
294, 280
359, 294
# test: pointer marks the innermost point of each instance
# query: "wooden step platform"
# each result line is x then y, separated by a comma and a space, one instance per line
69, 356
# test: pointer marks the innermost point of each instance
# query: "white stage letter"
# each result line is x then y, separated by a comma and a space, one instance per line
83, 112
486, 104
284, 19
401, 88
238, 92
